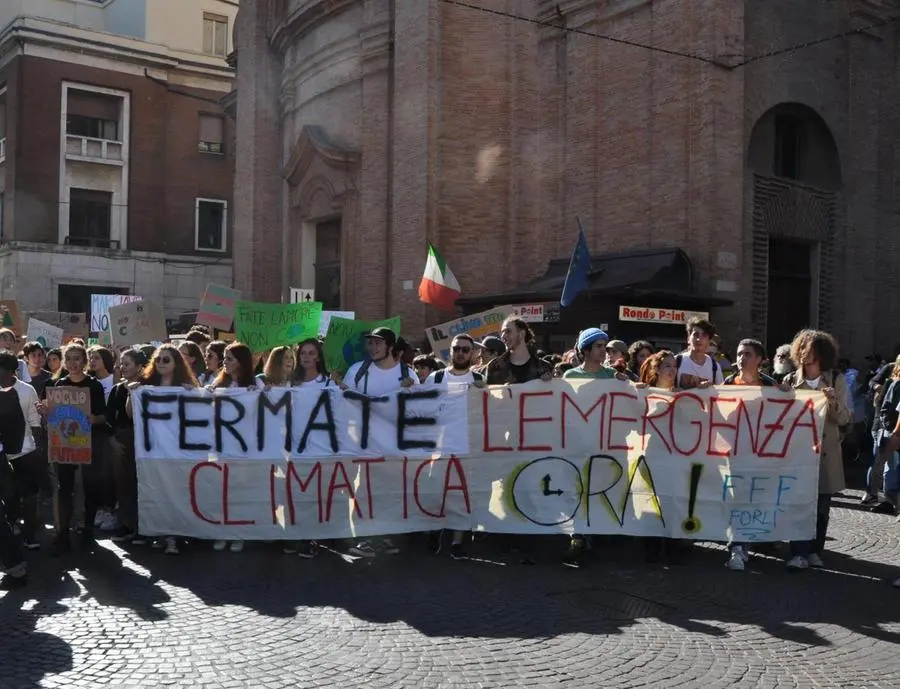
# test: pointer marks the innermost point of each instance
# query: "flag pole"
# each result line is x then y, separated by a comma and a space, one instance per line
581, 230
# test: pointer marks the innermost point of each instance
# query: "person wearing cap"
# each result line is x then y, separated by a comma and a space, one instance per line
591, 352
381, 373
490, 348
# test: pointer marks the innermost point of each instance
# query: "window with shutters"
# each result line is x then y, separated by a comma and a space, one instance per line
212, 134
211, 225
215, 34
94, 115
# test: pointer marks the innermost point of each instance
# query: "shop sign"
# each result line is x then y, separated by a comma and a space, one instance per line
648, 314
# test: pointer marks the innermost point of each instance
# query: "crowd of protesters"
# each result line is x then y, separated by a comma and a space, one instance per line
862, 420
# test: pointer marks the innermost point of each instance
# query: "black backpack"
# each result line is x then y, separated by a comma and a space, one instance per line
439, 376
363, 372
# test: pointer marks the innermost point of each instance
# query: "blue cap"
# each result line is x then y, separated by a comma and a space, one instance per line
586, 338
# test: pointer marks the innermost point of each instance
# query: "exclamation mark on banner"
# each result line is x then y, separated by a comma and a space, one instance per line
692, 524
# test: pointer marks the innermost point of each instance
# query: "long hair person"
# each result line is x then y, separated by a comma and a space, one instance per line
168, 368
279, 368
237, 368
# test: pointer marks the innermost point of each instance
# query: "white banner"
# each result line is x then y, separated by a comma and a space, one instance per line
721, 464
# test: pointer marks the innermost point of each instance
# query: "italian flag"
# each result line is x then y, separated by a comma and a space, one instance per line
439, 286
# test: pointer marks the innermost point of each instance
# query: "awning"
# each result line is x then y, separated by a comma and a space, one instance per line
660, 274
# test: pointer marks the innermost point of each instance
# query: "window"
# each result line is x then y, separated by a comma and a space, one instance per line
90, 214
94, 115
210, 224
215, 34
788, 146
328, 263
212, 130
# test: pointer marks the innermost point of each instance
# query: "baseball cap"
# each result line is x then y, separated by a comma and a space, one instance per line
586, 338
492, 344
386, 334
617, 345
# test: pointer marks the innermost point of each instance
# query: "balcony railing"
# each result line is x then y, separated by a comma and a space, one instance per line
94, 150
92, 242
3, 150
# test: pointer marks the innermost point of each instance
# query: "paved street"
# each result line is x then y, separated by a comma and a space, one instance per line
262, 619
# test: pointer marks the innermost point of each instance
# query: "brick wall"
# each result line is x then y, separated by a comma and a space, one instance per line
167, 172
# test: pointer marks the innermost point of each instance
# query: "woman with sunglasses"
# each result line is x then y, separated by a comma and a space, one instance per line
166, 369
236, 372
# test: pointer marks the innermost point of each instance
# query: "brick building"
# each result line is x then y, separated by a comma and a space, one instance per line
744, 166
116, 157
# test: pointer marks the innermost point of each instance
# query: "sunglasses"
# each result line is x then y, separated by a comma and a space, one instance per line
464, 350
164, 360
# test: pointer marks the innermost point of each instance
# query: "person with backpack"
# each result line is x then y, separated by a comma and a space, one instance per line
380, 373
698, 369
14, 430
462, 356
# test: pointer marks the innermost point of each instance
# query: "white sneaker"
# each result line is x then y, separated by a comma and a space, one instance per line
236, 546
815, 560
219, 545
736, 560
171, 546
362, 549
798, 562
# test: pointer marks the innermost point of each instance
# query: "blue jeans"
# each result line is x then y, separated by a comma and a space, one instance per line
882, 476
817, 545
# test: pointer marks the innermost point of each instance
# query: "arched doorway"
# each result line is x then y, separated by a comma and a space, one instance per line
796, 178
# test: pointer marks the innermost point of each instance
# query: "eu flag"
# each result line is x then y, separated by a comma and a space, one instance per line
579, 271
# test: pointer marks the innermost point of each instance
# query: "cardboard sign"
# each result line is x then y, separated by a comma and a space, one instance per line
73, 324
646, 314
730, 464
328, 315
345, 342
69, 425
265, 326
100, 305
10, 317
217, 307
139, 322
49, 336
478, 325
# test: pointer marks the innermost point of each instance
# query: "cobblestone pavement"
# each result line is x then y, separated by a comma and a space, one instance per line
261, 619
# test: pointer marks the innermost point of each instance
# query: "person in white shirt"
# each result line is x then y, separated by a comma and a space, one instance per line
462, 354
10, 342
697, 369
26, 463
381, 373
311, 369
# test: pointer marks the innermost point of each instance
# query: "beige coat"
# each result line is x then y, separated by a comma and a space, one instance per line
831, 466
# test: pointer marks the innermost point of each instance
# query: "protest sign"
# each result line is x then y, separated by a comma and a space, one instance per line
139, 322
73, 324
478, 325
263, 326
10, 317
48, 335
69, 425
345, 342
100, 304
725, 464
328, 315
217, 307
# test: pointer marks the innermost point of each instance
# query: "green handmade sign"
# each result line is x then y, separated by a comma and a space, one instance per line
263, 326
345, 342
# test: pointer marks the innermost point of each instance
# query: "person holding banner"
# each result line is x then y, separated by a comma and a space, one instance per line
381, 373
12, 436
279, 368
215, 353
236, 372
591, 352
814, 352
193, 356
167, 368
75, 361
520, 363
311, 371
